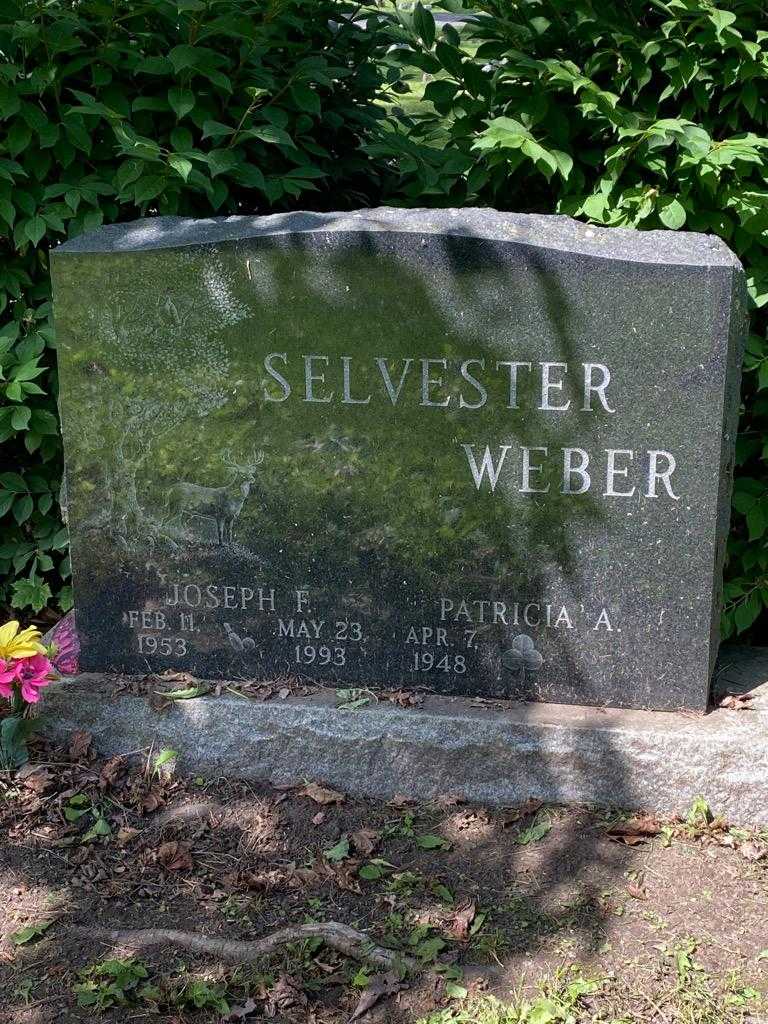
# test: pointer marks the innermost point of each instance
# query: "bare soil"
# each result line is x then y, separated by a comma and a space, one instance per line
487, 899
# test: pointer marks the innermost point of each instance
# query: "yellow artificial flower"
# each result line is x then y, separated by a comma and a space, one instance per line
15, 644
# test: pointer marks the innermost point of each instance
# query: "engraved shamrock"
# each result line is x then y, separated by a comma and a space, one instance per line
522, 657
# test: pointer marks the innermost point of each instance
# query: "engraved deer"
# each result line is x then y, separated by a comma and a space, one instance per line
221, 504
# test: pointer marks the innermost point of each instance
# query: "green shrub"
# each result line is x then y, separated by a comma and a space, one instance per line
114, 111
647, 113
642, 113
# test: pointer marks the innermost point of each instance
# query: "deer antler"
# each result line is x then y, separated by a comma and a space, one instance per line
248, 466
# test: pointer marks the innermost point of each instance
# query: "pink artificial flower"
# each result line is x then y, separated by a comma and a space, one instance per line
9, 673
33, 674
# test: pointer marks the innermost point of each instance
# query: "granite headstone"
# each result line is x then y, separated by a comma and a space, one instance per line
465, 451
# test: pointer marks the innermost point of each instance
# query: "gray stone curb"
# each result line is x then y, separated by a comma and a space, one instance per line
658, 761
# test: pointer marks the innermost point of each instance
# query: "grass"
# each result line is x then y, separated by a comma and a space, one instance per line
681, 991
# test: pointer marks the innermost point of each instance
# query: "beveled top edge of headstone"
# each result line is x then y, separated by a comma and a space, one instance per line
543, 231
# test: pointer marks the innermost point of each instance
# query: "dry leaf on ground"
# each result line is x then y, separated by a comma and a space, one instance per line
174, 856
514, 814
283, 995
753, 850
378, 987
462, 918
35, 778
80, 745
634, 830
321, 794
365, 841
736, 701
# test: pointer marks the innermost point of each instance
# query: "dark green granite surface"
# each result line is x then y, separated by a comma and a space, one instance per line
240, 509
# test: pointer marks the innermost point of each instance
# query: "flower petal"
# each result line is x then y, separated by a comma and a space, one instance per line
8, 632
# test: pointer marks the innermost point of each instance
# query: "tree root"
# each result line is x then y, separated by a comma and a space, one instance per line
338, 936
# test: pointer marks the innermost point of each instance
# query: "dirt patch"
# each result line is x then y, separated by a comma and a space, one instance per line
483, 900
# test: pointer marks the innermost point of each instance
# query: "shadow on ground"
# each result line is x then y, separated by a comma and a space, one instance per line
487, 899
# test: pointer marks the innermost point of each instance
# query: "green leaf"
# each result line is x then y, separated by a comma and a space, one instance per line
216, 130
20, 417
180, 164
424, 24
428, 950
432, 843
34, 228
34, 594
43, 422
181, 100
338, 852
221, 161
23, 508
7, 211
27, 371
455, 991
671, 212
14, 482
165, 757
189, 693
30, 933
370, 872
757, 521
745, 613
305, 98
721, 20
533, 833
271, 133
14, 733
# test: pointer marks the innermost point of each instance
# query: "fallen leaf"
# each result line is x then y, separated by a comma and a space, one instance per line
151, 802
176, 676
80, 745
462, 919
523, 811
319, 818
365, 841
110, 772
403, 698
634, 830
35, 778
737, 701
378, 987
174, 856
338, 852
284, 994
240, 1012
125, 835
30, 933
400, 800
432, 843
449, 800
304, 876
533, 833
322, 795
753, 850
188, 693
